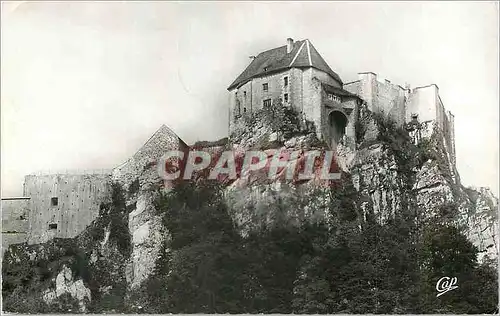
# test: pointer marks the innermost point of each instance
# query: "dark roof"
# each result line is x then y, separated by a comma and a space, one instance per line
277, 59
338, 91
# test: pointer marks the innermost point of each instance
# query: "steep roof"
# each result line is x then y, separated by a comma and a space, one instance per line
303, 55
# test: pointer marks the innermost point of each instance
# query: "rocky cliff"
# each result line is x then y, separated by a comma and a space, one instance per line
113, 265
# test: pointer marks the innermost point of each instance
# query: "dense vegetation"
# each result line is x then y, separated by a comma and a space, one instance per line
352, 266
28, 270
349, 264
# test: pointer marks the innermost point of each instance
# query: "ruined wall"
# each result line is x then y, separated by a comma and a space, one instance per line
63, 205
15, 212
163, 140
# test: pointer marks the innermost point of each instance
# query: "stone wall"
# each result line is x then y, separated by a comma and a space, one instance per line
163, 140
423, 102
250, 96
303, 91
15, 212
380, 96
63, 205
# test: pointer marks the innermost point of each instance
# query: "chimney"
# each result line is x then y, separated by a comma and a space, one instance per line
289, 45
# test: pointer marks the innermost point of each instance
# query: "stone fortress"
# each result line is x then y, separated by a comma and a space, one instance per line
298, 75
62, 205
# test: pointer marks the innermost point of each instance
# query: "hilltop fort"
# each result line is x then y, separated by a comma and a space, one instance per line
63, 205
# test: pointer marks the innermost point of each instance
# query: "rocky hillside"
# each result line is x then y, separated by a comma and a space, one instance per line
375, 241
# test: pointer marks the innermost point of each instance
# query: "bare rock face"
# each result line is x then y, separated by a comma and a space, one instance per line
482, 222
390, 173
147, 238
64, 283
376, 177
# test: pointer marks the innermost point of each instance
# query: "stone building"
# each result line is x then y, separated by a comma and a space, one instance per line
15, 212
298, 75
420, 108
63, 204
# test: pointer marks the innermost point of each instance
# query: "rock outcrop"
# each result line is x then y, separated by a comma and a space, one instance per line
101, 269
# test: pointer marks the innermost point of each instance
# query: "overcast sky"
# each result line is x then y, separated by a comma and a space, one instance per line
85, 84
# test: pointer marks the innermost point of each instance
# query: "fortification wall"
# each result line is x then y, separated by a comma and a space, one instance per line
381, 96
15, 212
63, 205
149, 154
423, 102
390, 99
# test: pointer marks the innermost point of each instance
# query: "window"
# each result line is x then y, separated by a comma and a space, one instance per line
244, 94
267, 103
265, 87
53, 226
285, 81
244, 110
285, 97
54, 201
265, 68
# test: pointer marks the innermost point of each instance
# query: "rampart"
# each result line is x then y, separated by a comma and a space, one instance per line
63, 205
405, 105
15, 212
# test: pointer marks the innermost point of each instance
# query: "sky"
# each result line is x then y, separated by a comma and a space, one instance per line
85, 84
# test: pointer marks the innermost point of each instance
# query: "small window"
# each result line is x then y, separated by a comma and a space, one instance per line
244, 110
244, 94
265, 87
53, 226
285, 97
267, 103
285, 81
54, 201
265, 68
